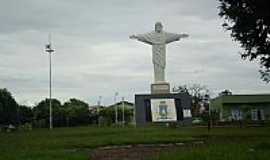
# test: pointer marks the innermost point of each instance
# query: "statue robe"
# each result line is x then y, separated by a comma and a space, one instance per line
158, 42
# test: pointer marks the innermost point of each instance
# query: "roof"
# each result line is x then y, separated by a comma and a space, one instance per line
255, 98
121, 102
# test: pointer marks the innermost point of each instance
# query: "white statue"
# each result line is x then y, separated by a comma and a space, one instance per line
158, 39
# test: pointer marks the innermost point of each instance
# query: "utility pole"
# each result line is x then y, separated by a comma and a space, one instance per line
48, 48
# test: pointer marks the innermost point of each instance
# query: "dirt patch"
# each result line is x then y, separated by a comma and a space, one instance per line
135, 152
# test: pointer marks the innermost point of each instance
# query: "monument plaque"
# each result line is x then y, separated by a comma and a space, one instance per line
159, 88
163, 110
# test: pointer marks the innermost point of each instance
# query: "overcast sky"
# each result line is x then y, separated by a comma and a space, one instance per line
94, 56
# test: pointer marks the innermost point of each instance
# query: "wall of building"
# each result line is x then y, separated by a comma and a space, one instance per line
230, 111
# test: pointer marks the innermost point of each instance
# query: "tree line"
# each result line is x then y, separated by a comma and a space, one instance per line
74, 112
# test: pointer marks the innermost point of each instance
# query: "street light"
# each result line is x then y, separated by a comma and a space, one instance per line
116, 111
48, 48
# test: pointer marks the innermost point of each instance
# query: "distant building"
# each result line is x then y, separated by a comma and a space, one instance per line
128, 110
95, 108
242, 107
127, 105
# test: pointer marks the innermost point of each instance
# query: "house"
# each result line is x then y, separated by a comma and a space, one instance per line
127, 105
123, 107
231, 107
95, 108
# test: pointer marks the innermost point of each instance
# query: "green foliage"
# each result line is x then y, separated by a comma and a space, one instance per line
76, 112
8, 108
72, 113
217, 151
41, 113
108, 115
25, 127
199, 94
78, 142
25, 114
214, 116
249, 23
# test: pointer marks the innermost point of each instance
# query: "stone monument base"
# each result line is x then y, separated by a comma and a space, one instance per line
160, 88
145, 112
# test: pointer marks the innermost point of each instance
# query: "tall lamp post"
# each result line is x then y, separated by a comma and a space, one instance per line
116, 108
48, 48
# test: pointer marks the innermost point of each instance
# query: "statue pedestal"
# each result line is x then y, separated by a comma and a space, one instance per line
146, 108
160, 88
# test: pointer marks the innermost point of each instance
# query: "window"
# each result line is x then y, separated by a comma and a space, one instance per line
187, 113
261, 114
237, 114
254, 115
257, 114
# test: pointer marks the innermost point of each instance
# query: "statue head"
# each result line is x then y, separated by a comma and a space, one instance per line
158, 27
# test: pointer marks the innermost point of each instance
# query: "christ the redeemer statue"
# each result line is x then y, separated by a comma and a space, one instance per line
158, 39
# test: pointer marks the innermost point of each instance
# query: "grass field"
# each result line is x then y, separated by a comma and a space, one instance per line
77, 143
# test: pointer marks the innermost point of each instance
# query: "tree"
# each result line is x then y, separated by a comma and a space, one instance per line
249, 23
76, 112
41, 113
108, 114
199, 94
8, 108
25, 114
226, 92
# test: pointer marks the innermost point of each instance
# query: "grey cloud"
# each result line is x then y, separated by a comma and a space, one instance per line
94, 55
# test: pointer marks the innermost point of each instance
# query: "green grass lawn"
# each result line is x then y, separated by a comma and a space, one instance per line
76, 143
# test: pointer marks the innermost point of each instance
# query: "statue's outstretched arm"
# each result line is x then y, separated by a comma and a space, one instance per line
133, 36
171, 37
183, 35
146, 38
